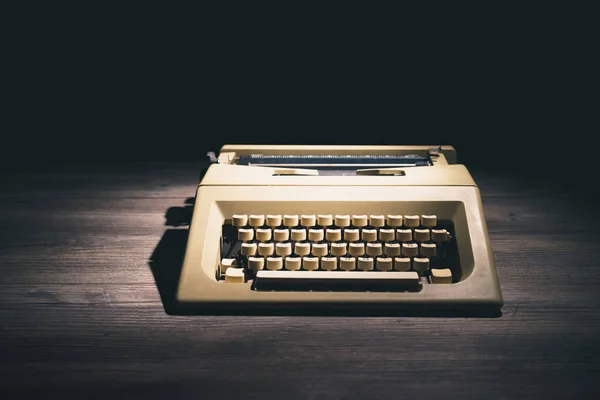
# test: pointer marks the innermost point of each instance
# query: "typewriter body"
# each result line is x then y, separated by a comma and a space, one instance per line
337, 227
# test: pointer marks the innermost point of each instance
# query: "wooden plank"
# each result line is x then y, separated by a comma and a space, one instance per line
522, 286
102, 180
304, 380
91, 345
179, 179
51, 319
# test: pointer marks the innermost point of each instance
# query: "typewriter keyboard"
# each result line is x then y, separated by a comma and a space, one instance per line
338, 252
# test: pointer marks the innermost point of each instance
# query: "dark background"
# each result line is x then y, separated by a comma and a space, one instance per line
139, 85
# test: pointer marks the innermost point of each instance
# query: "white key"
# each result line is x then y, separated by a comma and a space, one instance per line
293, 263
387, 235
441, 276
421, 235
308, 220
315, 235
356, 249
227, 263
374, 249
351, 235
234, 275
248, 249
281, 235
439, 235
333, 235
274, 263
310, 263
421, 265
365, 263
411, 221
342, 221
428, 250
328, 263
369, 235
283, 249
395, 220
239, 220
403, 235
377, 220
338, 249
429, 220
392, 249
384, 263
266, 249
325, 220
290, 220
263, 235
256, 221
245, 234
273, 221
302, 249
348, 263
298, 235
402, 264
410, 249
256, 263
359, 220
319, 249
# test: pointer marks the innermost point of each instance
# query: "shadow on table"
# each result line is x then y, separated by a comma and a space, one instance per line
167, 260
180, 215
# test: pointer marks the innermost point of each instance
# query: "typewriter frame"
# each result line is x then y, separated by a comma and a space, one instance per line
228, 189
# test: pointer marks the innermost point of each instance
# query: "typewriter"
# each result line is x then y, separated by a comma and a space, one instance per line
282, 227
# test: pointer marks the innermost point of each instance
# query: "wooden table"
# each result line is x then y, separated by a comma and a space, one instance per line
82, 316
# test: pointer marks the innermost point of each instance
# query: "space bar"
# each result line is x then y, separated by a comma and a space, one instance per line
337, 280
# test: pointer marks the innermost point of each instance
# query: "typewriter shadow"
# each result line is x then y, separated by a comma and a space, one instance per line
180, 215
167, 260
165, 263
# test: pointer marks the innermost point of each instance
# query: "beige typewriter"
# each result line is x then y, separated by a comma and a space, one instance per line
338, 227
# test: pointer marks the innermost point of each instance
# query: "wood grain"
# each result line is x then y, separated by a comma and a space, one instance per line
82, 310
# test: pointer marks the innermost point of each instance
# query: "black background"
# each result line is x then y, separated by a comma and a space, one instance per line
503, 87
